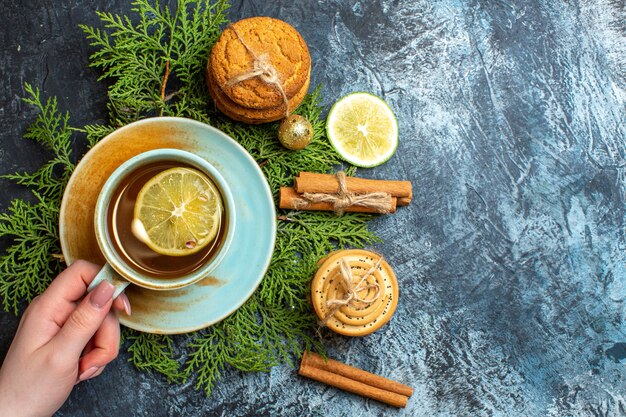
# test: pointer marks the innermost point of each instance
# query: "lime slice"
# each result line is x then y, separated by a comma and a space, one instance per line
362, 129
177, 212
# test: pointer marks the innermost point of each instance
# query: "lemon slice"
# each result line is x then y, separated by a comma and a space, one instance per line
362, 129
177, 212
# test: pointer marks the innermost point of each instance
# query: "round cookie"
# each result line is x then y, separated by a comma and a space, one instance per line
377, 294
285, 48
248, 115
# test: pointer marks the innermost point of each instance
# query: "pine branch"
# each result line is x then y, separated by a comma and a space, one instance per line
29, 264
96, 132
321, 232
162, 48
32, 258
209, 353
153, 352
51, 129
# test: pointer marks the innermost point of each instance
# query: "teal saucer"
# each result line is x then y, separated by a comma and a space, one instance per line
239, 273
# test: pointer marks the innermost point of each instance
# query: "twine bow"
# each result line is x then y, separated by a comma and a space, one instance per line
262, 68
352, 291
379, 201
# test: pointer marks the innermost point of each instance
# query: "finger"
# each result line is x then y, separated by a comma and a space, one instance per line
121, 303
85, 320
71, 284
105, 346
90, 374
98, 372
42, 320
88, 348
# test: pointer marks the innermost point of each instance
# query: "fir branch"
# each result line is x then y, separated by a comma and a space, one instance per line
51, 129
285, 329
143, 58
209, 353
28, 264
32, 258
249, 352
322, 232
153, 352
288, 275
96, 132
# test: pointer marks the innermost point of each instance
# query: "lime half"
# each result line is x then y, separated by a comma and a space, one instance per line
177, 212
362, 129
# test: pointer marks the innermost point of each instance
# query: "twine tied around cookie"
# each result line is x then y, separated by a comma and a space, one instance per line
381, 202
262, 68
351, 291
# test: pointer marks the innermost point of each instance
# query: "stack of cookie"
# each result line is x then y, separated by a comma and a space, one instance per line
259, 70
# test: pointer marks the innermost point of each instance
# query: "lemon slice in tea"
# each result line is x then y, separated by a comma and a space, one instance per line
363, 129
177, 212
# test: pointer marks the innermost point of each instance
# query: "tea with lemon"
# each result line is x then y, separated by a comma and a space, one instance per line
166, 219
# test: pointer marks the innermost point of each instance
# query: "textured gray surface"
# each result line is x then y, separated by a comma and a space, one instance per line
511, 256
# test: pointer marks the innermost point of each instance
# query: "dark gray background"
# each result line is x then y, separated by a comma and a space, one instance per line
511, 256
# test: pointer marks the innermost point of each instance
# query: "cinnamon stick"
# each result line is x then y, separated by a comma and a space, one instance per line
289, 198
354, 380
330, 365
311, 182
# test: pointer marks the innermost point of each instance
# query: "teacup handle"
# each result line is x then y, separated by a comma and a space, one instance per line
107, 273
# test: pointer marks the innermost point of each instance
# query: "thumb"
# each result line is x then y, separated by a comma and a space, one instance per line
83, 323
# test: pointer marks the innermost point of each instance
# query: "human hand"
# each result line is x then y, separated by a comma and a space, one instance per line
60, 342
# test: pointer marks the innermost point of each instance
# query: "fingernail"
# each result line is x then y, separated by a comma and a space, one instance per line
102, 294
88, 373
126, 303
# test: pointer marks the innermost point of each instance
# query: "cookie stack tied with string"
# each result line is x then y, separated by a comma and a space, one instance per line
259, 70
